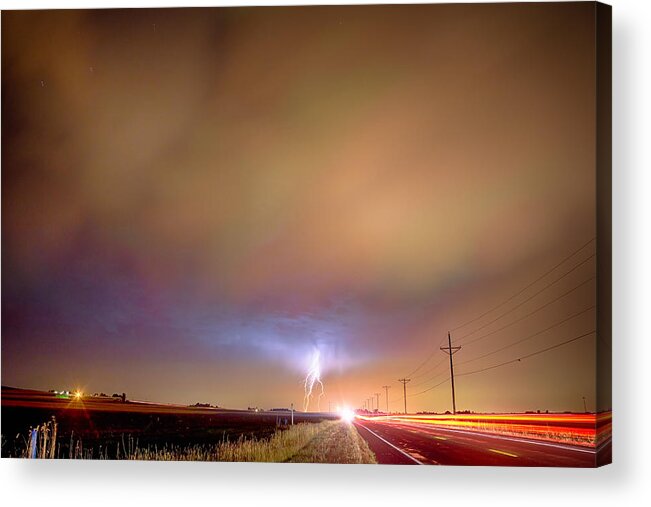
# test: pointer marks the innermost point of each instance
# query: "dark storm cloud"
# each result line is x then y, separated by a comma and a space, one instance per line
236, 186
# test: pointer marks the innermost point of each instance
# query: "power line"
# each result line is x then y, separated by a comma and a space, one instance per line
433, 353
423, 363
531, 313
404, 381
528, 299
430, 370
438, 375
430, 356
434, 377
524, 289
526, 356
506, 362
429, 389
528, 337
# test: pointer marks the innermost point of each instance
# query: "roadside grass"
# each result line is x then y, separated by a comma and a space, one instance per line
324, 442
563, 437
339, 442
282, 445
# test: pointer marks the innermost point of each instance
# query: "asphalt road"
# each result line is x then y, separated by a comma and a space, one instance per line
413, 443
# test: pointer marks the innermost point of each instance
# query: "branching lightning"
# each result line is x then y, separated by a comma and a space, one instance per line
312, 381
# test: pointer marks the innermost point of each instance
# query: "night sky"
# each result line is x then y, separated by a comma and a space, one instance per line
193, 201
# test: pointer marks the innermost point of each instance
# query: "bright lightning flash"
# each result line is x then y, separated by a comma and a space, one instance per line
313, 381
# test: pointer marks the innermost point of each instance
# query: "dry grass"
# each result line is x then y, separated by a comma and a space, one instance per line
325, 442
565, 437
574, 429
279, 448
339, 442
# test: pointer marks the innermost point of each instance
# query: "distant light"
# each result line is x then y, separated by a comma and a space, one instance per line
347, 415
78, 395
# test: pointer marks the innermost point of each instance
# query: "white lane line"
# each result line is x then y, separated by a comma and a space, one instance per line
390, 444
501, 437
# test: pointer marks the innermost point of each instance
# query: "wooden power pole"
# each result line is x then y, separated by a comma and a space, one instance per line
404, 389
386, 390
450, 350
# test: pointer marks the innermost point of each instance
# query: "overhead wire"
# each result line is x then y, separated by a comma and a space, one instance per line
528, 299
518, 359
567, 319
510, 298
526, 316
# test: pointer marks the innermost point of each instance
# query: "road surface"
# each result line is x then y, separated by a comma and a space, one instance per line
414, 443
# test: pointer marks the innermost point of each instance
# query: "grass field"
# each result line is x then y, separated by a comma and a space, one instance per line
108, 429
40, 425
325, 442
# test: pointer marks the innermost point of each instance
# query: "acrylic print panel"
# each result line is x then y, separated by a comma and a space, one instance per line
346, 234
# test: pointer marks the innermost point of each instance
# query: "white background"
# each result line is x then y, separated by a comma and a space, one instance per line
626, 482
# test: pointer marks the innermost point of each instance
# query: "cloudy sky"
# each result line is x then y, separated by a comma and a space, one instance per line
194, 201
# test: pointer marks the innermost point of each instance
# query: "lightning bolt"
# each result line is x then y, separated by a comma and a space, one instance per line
313, 380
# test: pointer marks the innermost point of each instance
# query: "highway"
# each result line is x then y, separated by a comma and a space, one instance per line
402, 443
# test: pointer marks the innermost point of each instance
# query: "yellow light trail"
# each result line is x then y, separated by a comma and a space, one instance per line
504, 453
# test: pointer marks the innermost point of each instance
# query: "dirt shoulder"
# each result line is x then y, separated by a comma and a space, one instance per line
337, 442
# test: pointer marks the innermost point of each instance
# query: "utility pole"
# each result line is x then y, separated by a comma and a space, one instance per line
292, 414
404, 389
386, 391
370, 403
585, 407
450, 350
377, 401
